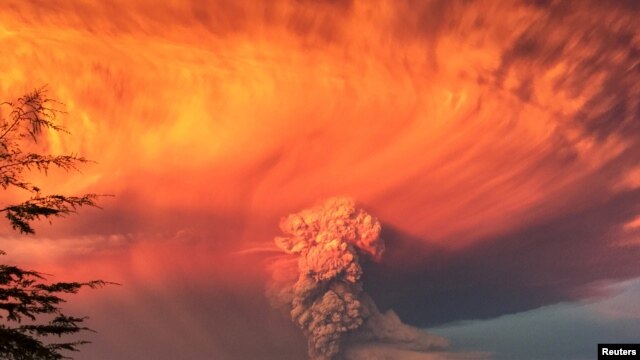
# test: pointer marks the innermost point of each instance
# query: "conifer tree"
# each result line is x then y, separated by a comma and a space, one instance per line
32, 322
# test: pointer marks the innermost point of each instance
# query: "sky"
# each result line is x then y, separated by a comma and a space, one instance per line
496, 142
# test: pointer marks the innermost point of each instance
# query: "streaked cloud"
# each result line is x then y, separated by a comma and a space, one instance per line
496, 142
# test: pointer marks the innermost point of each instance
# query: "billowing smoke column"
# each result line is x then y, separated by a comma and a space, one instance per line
326, 299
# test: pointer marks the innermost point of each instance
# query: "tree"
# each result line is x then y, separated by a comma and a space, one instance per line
26, 299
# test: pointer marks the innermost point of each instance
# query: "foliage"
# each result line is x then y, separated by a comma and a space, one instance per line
29, 116
25, 296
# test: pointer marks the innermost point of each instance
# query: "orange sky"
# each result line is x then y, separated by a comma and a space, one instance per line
278, 110
457, 125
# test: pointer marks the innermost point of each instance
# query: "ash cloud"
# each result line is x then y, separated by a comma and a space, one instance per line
322, 288
502, 136
565, 259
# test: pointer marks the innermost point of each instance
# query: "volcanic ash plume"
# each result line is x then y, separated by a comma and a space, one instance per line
326, 299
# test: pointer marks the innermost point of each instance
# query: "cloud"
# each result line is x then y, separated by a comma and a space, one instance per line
563, 259
581, 323
321, 289
385, 336
323, 294
490, 139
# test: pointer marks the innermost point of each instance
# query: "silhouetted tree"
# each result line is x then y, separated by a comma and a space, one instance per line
30, 307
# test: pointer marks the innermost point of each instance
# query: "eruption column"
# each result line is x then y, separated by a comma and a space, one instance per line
326, 300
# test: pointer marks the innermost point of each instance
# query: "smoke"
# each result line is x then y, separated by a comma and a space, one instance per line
322, 288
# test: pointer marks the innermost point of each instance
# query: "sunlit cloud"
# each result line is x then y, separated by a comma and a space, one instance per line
489, 138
